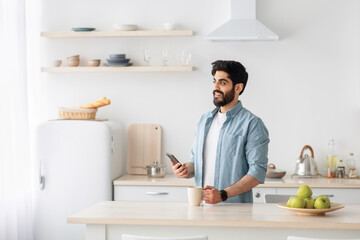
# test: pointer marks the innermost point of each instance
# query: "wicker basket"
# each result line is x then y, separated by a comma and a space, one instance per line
76, 113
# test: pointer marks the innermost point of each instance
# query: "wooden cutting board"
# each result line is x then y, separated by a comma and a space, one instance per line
143, 147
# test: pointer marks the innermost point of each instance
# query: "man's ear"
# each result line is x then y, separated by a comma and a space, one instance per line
239, 87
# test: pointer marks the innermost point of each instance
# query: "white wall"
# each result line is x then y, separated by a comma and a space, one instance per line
305, 87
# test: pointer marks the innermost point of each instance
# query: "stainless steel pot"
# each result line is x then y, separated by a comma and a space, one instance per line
306, 165
156, 170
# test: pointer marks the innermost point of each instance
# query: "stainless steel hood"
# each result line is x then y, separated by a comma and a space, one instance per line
243, 25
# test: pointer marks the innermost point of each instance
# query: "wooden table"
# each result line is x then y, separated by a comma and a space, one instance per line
108, 220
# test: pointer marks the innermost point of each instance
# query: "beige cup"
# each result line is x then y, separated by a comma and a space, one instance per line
194, 196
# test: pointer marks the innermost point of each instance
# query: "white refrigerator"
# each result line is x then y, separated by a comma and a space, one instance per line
76, 163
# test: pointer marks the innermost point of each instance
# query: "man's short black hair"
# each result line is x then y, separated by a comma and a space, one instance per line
235, 70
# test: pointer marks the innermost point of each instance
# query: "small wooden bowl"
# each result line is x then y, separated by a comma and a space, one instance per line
73, 63
275, 174
94, 62
272, 172
74, 57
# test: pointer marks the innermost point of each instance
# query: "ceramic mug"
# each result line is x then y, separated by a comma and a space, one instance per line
194, 196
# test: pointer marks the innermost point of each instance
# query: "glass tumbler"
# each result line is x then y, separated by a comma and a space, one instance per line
147, 56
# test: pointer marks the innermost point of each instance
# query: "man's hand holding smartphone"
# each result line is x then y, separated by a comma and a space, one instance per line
180, 170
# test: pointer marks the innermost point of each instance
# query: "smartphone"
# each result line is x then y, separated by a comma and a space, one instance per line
172, 158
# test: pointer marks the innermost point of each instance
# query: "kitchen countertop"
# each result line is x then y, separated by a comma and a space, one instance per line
285, 182
288, 182
144, 180
222, 215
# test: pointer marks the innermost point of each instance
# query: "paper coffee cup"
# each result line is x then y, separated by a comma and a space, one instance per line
194, 196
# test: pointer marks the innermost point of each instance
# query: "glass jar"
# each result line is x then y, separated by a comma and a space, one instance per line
340, 173
351, 164
352, 173
330, 172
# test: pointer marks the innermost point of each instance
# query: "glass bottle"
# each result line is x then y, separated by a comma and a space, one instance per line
351, 164
331, 160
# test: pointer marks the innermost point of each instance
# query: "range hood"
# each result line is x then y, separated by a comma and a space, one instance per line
243, 25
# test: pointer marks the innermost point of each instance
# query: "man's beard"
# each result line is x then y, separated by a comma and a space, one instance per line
226, 98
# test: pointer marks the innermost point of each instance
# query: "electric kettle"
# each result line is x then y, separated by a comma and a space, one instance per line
306, 165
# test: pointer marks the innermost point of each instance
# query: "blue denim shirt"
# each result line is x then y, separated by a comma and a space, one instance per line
242, 149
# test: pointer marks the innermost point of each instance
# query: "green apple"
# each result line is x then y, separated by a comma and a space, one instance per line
319, 196
288, 204
309, 203
297, 202
304, 192
322, 202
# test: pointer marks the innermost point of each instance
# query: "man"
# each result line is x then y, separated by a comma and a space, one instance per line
229, 154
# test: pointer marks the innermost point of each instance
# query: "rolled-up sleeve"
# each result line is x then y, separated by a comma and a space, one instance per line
256, 149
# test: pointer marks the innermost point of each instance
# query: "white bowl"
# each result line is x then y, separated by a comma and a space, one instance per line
57, 63
169, 26
125, 27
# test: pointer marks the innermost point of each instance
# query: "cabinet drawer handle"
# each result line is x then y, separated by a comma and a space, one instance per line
328, 195
157, 193
257, 195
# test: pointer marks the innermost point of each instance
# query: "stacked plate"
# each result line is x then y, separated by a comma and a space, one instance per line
83, 29
118, 60
125, 27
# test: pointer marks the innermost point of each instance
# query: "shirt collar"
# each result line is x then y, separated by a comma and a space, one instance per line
231, 113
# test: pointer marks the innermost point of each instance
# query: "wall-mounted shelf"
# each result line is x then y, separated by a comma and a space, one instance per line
175, 33
120, 69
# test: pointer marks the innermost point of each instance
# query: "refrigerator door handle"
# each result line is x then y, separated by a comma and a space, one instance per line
41, 178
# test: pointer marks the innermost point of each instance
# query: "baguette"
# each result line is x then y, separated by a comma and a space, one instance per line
98, 103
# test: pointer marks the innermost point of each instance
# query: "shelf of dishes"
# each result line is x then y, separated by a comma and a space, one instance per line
139, 33
119, 63
120, 69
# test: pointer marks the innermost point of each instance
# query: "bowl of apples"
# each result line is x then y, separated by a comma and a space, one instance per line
304, 204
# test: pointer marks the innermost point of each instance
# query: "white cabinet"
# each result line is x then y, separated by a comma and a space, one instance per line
150, 193
339, 195
143, 188
259, 193
179, 193
170, 188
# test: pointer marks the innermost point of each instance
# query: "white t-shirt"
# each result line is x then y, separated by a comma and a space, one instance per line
211, 143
